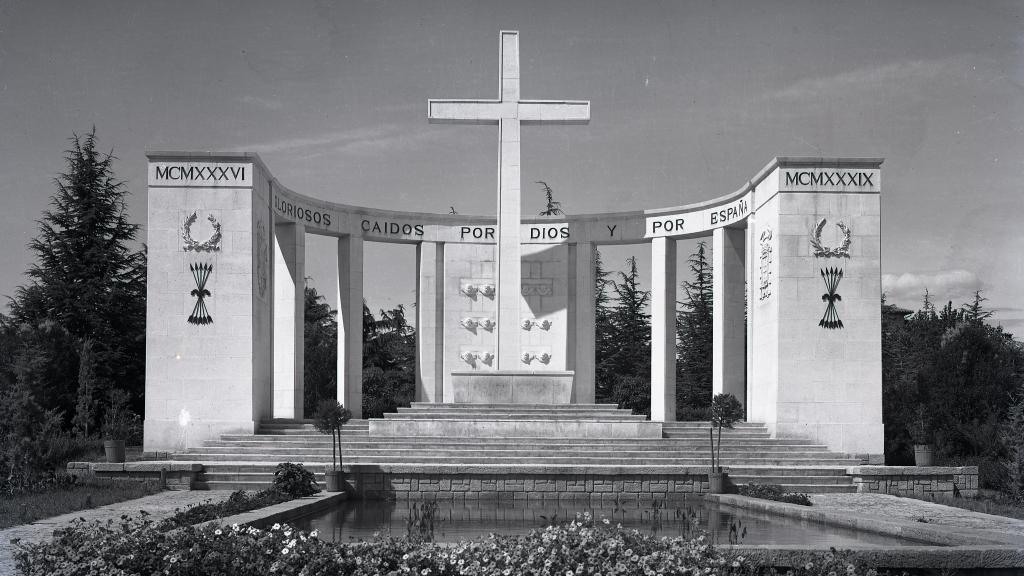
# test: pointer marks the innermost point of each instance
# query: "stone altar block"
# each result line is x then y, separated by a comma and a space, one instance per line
512, 387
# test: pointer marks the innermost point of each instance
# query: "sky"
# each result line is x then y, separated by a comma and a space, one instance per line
688, 101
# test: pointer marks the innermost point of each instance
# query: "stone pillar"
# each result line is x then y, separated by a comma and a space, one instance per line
817, 359
663, 329
289, 300
429, 322
213, 375
509, 264
729, 329
581, 341
350, 323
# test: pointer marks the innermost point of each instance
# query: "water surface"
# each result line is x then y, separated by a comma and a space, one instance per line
470, 519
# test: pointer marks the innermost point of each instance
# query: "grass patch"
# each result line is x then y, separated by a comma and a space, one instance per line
995, 504
82, 494
773, 492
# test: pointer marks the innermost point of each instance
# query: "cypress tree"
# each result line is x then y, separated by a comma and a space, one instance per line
629, 356
694, 339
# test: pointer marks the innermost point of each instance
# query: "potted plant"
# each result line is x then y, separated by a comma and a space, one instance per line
329, 418
117, 426
726, 410
920, 434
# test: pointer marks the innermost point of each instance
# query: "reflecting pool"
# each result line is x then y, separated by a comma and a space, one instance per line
472, 519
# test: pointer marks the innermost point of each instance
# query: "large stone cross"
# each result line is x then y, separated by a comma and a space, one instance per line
508, 112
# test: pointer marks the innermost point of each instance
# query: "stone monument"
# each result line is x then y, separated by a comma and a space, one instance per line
509, 382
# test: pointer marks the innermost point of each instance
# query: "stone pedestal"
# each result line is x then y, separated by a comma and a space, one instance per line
512, 387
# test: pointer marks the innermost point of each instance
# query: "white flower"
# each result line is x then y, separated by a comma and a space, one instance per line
314, 533
234, 527
217, 532
275, 527
284, 550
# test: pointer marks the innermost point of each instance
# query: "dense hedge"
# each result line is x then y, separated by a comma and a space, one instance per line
583, 546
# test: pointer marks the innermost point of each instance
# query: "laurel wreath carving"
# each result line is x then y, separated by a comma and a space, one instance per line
822, 251
211, 245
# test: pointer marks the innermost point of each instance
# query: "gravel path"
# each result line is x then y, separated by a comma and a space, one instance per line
894, 508
160, 506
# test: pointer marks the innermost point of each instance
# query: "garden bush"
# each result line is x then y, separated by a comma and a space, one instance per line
583, 546
239, 502
773, 492
294, 480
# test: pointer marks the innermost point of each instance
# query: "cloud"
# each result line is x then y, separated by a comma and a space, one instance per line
261, 102
905, 74
908, 288
354, 140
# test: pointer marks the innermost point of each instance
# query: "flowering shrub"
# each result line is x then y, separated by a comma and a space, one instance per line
773, 492
582, 546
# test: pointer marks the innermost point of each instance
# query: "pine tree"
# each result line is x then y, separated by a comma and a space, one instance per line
88, 277
552, 207
389, 361
320, 336
604, 333
974, 311
694, 338
628, 360
89, 388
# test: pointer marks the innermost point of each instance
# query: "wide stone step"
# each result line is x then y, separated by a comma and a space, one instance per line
519, 417
785, 480
468, 444
521, 452
534, 460
291, 439
310, 432
466, 406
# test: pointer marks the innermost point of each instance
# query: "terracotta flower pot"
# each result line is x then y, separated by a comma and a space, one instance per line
333, 478
114, 450
924, 454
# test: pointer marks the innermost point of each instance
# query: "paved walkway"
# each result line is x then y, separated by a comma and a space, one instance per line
160, 506
894, 508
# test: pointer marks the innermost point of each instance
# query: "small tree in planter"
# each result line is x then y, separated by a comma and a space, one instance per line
726, 410
921, 435
329, 418
117, 426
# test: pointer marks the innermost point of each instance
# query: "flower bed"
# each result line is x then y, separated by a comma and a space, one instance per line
583, 546
773, 492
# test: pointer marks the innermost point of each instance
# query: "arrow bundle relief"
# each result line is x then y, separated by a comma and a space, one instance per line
200, 315
831, 320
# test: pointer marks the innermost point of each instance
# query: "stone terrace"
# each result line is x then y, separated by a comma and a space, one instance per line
535, 455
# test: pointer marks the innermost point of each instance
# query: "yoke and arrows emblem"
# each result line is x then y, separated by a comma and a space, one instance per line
831, 320
821, 251
200, 315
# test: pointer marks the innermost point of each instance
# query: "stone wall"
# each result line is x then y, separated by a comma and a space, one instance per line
916, 480
176, 475
535, 487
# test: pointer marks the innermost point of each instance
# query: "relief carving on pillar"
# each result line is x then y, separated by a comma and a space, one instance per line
474, 322
765, 269
529, 323
832, 277
201, 274
212, 244
539, 355
262, 257
538, 287
471, 357
821, 251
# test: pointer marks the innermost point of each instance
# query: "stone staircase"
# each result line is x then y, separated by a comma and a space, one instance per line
247, 461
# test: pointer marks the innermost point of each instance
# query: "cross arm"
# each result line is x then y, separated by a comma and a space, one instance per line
554, 111
464, 111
